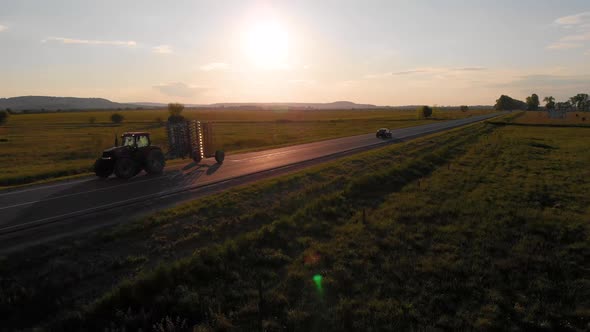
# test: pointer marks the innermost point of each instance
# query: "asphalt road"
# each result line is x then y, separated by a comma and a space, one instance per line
91, 202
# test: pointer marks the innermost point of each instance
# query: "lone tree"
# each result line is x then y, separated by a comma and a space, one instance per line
532, 102
464, 108
505, 103
175, 110
117, 118
424, 111
549, 102
3, 117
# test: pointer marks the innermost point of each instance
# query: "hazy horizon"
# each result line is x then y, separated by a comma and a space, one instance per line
372, 52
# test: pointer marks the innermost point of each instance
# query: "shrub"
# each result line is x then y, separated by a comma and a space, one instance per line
117, 118
3, 117
424, 111
175, 110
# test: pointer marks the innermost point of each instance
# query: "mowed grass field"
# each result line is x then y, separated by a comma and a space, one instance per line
483, 227
35, 147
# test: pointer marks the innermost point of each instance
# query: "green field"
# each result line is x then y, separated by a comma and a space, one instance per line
35, 147
484, 227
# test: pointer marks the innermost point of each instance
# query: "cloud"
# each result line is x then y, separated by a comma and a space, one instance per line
378, 75
547, 81
580, 23
214, 66
563, 46
440, 70
397, 73
2, 27
302, 82
409, 72
129, 43
579, 37
179, 89
469, 69
577, 19
162, 49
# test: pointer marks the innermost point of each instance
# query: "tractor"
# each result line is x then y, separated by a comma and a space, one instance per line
134, 154
192, 139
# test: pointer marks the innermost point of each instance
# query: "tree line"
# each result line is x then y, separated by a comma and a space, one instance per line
579, 102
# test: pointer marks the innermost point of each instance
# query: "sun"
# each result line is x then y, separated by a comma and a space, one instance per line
266, 44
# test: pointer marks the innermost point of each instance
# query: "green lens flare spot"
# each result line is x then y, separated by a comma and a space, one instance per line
317, 279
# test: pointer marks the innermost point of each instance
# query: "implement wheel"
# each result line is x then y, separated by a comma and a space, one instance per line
219, 156
196, 156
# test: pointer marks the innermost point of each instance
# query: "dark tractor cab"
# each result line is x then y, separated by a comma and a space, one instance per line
383, 133
128, 159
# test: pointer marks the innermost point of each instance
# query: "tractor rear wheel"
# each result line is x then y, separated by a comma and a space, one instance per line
155, 162
219, 156
103, 168
125, 168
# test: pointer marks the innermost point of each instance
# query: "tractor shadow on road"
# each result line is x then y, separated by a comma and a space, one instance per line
193, 171
189, 166
198, 167
90, 194
213, 168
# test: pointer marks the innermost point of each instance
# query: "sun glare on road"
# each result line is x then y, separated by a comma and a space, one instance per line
266, 44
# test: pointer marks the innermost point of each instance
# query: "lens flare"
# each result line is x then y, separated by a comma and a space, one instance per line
317, 280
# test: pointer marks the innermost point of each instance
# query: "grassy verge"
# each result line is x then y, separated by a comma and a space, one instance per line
36, 147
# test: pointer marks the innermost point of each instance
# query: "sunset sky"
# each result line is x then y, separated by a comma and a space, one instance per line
380, 52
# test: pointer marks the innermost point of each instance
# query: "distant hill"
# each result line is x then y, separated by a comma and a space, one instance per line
43, 103
333, 105
52, 104
321, 106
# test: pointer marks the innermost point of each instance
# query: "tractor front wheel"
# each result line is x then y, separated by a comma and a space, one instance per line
155, 162
103, 168
125, 168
